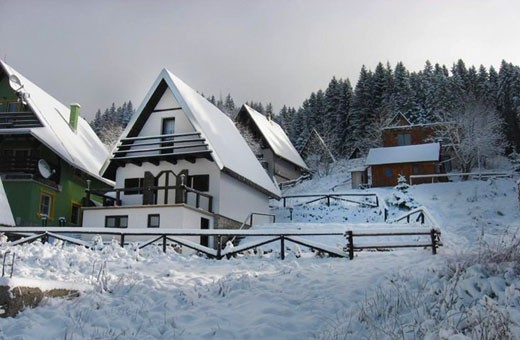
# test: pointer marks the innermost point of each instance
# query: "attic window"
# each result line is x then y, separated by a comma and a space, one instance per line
404, 139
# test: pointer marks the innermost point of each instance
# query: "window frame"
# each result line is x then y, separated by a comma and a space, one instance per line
50, 209
72, 207
117, 221
150, 216
404, 139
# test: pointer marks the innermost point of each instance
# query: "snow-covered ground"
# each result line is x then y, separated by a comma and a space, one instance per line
147, 294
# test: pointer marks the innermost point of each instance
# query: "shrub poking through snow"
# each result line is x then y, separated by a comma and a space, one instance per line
400, 196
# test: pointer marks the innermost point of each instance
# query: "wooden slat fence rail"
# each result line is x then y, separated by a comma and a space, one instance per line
477, 175
370, 199
434, 241
30, 234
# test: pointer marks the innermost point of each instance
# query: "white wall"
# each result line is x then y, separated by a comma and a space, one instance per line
171, 217
284, 170
238, 200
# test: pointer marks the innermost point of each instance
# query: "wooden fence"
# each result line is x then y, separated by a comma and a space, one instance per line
368, 199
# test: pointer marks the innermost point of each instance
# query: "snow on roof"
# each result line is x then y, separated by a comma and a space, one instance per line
6, 216
229, 149
276, 137
404, 154
82, 149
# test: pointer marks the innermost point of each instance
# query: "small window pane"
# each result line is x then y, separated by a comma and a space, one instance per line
389, 173
133, 186
154, 221
199, 182
45, 205
12, 107
74, 214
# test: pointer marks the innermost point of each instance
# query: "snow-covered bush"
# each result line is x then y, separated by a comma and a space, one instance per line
400, 196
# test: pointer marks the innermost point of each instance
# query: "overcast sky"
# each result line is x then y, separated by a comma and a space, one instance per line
99, 52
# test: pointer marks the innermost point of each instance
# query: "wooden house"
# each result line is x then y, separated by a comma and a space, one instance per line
389, 162
271, 145
48, 153
181, 163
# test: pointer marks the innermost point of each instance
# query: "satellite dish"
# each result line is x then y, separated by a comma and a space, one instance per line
15, 83
45, 169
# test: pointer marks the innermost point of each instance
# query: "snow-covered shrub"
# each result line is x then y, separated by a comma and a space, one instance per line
400, 196
3, 239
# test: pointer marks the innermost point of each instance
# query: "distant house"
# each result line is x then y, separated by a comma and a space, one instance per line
270, 145
48, 153
181, 163
316, 152
388, 163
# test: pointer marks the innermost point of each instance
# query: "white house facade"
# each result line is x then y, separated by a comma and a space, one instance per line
181, 163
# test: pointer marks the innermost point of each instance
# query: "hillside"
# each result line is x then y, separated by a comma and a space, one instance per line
470, 287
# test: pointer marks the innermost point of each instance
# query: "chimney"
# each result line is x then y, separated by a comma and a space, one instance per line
74, 116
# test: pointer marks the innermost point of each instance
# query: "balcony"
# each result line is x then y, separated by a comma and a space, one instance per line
18, 120
153, 149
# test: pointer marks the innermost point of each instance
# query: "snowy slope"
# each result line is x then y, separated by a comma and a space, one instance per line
150, 295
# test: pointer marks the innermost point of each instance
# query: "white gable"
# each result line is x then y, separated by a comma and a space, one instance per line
229, 150
81, 149
404, 154
6, 216
276, 138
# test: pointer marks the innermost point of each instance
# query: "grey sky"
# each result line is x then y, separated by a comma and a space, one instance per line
97, 52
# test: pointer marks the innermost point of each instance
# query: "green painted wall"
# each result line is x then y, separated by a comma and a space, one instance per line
24, 197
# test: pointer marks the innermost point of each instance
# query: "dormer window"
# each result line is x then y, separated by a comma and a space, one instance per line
168, 128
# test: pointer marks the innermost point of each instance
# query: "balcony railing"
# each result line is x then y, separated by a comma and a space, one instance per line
189, 196
25, 165
15, 120
171, 146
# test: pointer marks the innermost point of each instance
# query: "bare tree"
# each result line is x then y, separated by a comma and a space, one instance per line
474, 133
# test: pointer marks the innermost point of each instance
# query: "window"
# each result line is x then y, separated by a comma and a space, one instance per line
12, 107
389, 172
154, 220
45, 205
133, 186
415, 169
120, 221
199, 182
404, 139
168, 128
75, 214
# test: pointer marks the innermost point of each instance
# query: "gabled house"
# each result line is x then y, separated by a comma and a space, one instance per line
48, 153
271, 145
181, 163
388, 163
315, 151
401, 131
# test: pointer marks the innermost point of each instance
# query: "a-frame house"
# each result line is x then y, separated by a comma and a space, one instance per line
181, 163
271, 145
315, 151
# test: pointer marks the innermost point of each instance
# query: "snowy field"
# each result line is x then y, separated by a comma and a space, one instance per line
471, 287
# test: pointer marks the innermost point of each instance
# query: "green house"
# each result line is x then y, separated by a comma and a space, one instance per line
49, 155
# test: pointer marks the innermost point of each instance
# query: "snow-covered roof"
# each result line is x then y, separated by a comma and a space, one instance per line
404, 154
6, 216
275, 137
82, 148
229, 149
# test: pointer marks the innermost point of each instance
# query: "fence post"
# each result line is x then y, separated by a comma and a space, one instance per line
328, 201
350, 244
284, 202
422, 217
251, 220
219, 247
282, 247
433, 234
290, 213
164, 243
122, 240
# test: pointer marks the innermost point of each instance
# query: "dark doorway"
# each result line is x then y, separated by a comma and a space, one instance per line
204, 225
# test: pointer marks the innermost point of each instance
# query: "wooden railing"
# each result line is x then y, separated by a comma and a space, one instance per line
15, 120
474, 175
175, 236
434, 241
115, 200
368, 199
